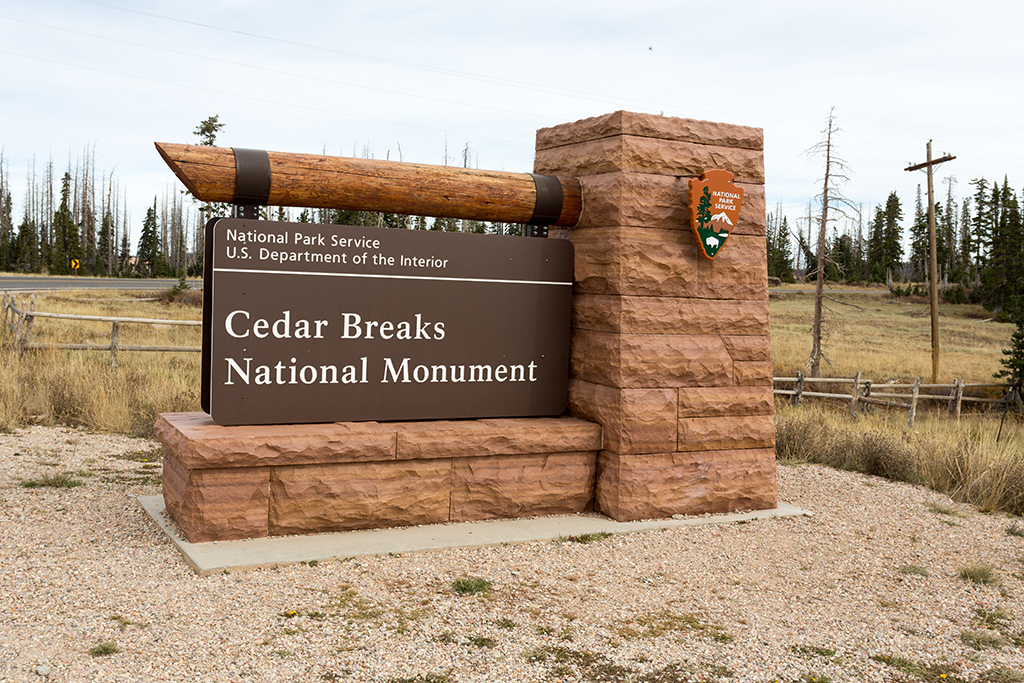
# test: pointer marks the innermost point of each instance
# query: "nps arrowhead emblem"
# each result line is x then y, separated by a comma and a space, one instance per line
714, 209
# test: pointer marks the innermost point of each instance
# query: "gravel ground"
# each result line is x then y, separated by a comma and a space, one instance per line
868, 589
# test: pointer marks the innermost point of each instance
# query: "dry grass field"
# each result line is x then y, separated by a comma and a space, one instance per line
868, 330
80, 388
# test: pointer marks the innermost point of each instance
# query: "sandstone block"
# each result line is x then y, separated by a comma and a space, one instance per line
200, 443
463, 438
307, 499
648, 200
631, 487
633, 420
740, 271
504, 486
726, 433
749, 347
669, 315
649, 155
724, 401
637, 262
644, 361
216, 504
752, 373
651, 126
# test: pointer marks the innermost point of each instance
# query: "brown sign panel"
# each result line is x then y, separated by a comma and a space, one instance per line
714, 209
330, 323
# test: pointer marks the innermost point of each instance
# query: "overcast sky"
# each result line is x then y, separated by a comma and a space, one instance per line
407, 79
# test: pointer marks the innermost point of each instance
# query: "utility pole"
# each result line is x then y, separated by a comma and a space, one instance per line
933, 275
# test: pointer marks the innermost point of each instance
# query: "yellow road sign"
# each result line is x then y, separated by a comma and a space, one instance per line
74, 263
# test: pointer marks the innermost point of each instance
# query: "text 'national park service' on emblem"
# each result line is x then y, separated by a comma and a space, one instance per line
714, 209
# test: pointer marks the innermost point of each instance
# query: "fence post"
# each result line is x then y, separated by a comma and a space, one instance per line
913, 402
867, 394
952, 396
855, 394
115, 328
960, 397
798, 397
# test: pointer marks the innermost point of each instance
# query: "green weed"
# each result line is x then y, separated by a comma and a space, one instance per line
979, 574
471, 585
104, 649
663, 622
60, 480
587, 538
913, 569
424, 678
927, 672
1001, 674
981, 640
814, 651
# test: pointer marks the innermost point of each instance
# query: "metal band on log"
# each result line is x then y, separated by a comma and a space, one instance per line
350, 184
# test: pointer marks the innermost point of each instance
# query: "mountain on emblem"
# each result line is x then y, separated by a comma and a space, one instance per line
721, 218
714, 209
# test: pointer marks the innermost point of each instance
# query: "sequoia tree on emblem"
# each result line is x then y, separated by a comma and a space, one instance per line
714, 209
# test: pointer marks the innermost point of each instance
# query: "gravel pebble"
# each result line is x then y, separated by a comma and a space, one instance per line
782, 599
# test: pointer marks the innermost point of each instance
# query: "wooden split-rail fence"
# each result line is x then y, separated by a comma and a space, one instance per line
19, 323
865, 393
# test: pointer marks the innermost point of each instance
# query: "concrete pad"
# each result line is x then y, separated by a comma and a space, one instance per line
220, 556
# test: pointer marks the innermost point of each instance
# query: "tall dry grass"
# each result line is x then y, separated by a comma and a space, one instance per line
79, 387
961, 458
867, 330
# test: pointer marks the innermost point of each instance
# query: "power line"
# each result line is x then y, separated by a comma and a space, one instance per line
253, 98
276, 71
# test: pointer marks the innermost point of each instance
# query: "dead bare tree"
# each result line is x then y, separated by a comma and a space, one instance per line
832, 200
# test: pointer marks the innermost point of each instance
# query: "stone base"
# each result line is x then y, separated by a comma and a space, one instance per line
648, 486
223, 483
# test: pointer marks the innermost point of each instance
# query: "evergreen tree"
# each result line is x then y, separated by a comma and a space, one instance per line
920, 250
874, 266
1000, 273
207, 130
445, 224
1013, 363
103, 244
892, 236
28, 260
124, 265
66, 245
8, 240
965, 246
780, 251
149, 263
982, 223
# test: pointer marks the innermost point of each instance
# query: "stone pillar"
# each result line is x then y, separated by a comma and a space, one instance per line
670, 351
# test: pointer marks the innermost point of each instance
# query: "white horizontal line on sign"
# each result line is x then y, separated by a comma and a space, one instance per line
390, 277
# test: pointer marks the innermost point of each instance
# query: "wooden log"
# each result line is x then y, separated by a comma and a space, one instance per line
370, 185
120, 347
798, 396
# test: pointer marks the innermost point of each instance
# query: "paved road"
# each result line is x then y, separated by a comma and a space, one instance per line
34, 283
